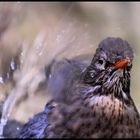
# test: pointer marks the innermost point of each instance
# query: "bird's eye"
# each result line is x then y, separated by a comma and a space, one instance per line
100, 64
100, 61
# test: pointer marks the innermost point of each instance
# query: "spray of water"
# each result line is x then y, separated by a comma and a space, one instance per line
66, 36
28, 72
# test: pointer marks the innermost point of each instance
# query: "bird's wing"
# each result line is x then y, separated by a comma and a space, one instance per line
35, 127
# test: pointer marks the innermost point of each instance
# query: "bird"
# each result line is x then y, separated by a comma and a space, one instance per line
99, 102
63, 75
59, 75
35, 127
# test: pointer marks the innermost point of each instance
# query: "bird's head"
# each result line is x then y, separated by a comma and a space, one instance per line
110, 68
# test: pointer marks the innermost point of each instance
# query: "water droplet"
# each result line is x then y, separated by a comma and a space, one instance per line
1, 80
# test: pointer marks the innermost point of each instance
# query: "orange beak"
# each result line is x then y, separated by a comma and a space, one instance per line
121, 64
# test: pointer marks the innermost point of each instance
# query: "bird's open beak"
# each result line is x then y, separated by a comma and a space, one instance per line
121, 64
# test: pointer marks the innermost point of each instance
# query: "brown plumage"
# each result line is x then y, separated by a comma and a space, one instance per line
99, 104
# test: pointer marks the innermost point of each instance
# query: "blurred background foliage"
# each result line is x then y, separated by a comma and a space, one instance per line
70, 29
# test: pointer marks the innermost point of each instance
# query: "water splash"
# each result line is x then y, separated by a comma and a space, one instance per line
25, 76
64, 37
1, 80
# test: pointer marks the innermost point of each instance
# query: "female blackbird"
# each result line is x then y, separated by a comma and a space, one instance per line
99, 103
